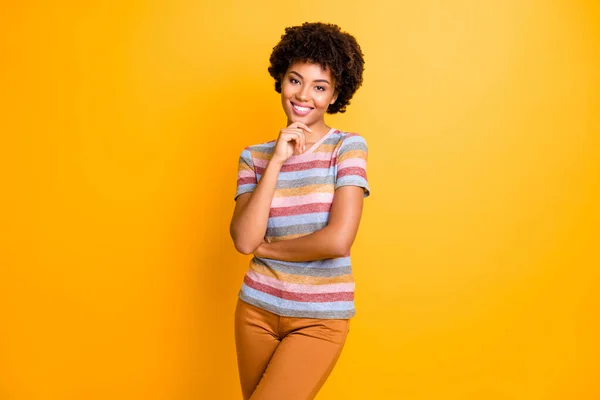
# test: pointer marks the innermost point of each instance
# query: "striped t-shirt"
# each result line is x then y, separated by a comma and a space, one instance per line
300, 206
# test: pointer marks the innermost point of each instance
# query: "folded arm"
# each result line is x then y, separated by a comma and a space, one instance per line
334, 240
249, 222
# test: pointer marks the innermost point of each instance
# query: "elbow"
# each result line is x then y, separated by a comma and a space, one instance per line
242, 245
339, 241
341, 248
244, 248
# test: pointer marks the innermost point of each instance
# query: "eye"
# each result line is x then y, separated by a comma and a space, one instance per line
294, 81
320, 88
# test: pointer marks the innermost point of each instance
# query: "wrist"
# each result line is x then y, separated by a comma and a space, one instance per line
276, 162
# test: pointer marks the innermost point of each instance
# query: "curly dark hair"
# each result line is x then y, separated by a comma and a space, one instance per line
324, 44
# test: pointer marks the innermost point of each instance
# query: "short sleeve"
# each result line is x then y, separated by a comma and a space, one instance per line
351, 163
246, 178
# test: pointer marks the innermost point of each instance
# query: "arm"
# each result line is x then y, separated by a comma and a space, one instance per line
332, 241
249, 222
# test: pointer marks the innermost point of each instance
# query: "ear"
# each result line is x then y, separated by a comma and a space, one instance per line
335, 96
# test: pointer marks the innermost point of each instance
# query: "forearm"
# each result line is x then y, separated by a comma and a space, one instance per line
249, 227
322, 244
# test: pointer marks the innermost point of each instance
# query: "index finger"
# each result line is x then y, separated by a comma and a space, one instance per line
300, 125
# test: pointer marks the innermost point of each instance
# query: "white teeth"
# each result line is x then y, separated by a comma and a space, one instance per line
303, 109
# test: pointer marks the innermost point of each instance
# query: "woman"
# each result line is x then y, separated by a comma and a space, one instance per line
298, 206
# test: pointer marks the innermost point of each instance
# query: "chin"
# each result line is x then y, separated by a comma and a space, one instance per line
305, 121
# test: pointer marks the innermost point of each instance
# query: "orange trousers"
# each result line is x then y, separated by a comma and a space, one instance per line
285, 358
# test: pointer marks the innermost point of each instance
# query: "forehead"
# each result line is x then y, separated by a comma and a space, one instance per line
311, 71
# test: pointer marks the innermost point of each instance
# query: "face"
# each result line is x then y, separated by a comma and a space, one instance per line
306, 92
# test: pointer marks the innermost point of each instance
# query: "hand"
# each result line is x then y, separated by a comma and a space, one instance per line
290, 140
259, 252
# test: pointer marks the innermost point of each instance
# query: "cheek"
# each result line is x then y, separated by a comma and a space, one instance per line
286, 93
286, 89
323, 100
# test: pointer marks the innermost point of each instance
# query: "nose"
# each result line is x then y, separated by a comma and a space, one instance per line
302, 94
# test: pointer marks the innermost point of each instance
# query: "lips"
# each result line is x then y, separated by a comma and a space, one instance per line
301, 110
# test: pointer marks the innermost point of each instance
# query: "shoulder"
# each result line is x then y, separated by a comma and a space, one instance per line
258, 150
340, 137
349, 141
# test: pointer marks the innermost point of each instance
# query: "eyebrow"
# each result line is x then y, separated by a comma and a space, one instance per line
316, 80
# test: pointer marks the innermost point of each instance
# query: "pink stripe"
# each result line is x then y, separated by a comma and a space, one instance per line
302, 166
302, 200
306, 297
260, 163
353, 162
299, 288
320, 156
246, 173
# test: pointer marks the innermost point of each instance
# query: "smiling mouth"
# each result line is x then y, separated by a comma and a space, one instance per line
300, 109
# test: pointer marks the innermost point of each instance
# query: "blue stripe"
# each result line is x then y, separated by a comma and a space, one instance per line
353, 180
326, 263
249, 187
354, 139
297, 305
246, 154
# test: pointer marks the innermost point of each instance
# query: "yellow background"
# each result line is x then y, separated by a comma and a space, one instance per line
477, 258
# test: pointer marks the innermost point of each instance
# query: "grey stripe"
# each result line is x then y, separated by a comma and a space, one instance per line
246, 160
298, 313
335, 139
263, 149
311, 180
353, 146
296, 229
306, 271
